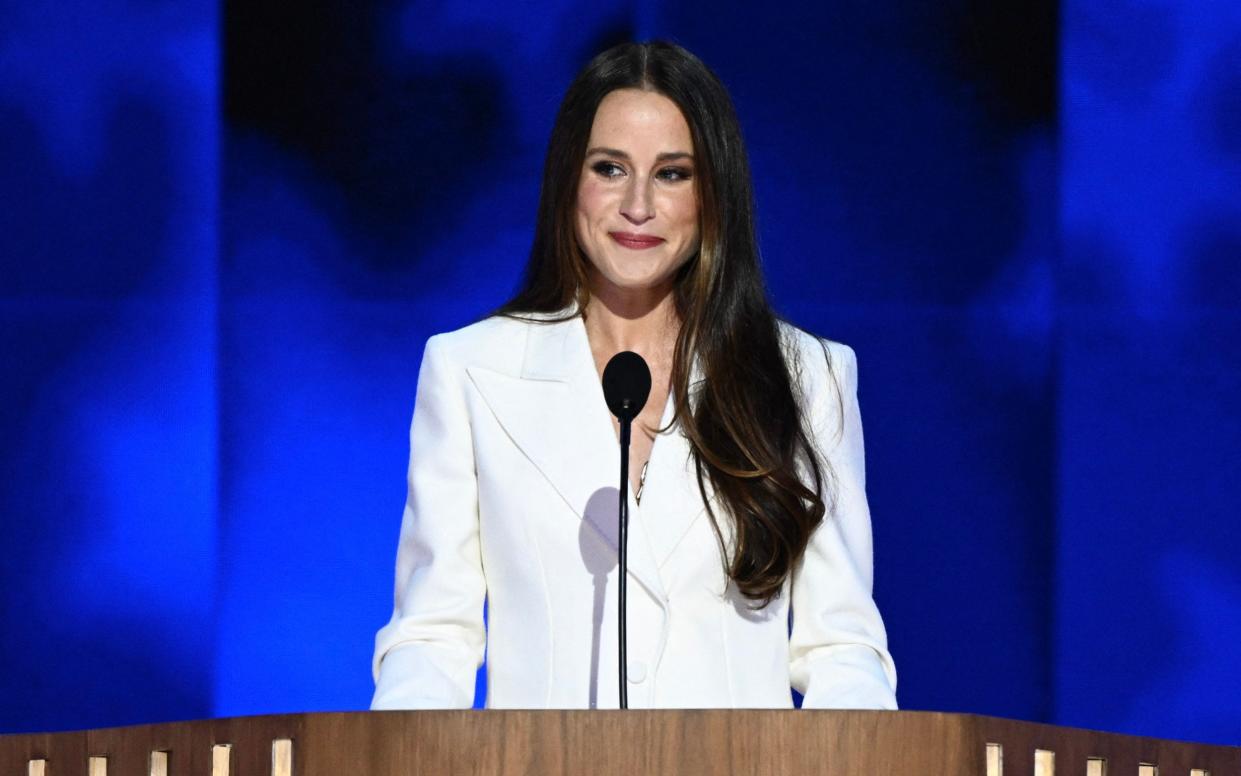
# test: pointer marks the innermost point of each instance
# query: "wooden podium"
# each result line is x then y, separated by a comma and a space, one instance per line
628, 743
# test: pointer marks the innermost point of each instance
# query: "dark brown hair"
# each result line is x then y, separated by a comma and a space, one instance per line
748, 432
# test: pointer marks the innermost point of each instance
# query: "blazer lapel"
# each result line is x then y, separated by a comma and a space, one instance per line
555, 413
671, 500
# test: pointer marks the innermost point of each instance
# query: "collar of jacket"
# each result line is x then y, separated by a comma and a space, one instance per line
554, 411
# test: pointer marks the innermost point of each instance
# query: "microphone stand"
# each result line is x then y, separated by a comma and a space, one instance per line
623, 541
626, 387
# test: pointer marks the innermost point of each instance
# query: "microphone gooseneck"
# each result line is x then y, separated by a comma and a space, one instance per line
626, 387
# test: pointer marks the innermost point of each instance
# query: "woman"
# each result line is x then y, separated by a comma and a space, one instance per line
748, 485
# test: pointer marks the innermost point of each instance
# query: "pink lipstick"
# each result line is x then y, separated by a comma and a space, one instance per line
637, 242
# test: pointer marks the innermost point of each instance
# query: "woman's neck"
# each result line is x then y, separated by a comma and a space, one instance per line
644, 321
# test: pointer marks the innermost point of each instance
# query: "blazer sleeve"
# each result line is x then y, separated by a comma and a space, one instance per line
838, 655
428, 655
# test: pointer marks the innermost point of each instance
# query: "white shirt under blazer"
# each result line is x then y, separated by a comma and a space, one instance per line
512, 499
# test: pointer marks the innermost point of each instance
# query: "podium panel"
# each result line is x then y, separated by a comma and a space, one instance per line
624, 743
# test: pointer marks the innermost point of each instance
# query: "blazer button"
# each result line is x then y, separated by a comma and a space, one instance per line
636, 672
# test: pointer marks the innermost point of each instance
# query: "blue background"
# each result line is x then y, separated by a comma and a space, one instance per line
226, 232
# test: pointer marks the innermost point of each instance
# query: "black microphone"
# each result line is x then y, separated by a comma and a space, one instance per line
626, 386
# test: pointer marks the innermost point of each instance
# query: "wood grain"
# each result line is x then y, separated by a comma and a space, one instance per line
632, 743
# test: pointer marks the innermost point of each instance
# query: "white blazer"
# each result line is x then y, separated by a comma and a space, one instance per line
513, 500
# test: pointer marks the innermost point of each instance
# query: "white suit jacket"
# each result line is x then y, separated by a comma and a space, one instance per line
512, 500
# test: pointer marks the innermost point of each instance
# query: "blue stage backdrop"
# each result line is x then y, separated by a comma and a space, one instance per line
228, 231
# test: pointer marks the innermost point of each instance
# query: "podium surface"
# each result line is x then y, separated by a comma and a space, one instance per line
635, 742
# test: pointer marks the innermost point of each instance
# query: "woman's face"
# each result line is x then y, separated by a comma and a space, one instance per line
637, 204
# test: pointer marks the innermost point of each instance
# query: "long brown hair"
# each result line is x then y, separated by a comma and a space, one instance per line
748, 432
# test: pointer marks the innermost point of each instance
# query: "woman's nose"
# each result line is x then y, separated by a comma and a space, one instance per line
637, 205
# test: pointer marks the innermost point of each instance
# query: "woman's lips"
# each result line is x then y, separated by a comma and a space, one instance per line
637, 242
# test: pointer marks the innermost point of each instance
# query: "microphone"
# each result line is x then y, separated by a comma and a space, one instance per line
626, 387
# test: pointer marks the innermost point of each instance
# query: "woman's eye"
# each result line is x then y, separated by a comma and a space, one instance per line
607, 169
675, 174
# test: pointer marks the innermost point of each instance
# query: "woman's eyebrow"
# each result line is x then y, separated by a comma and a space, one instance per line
663, 157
